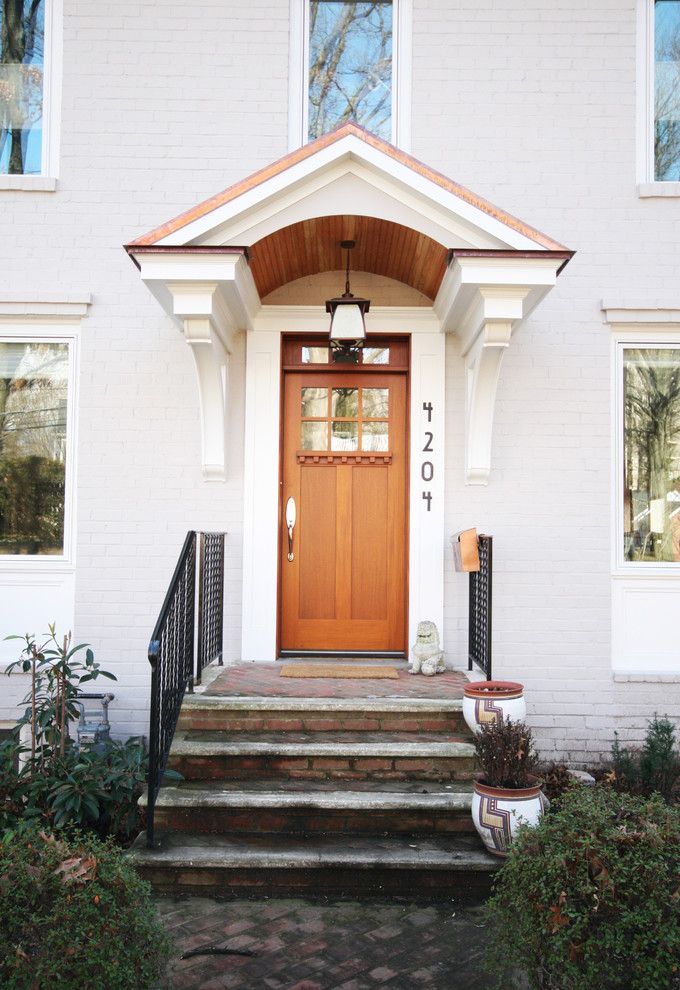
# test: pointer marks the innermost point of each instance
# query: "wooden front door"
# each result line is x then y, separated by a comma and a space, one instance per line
345, 466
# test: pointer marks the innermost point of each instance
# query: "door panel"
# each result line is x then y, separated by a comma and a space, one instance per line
344, 463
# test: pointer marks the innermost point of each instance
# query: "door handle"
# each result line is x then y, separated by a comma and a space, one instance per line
291, 516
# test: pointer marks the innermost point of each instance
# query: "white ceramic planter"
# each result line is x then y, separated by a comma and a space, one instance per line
493, 701
497, 813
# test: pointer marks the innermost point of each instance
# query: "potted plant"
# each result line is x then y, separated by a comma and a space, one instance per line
492, 701
506, 792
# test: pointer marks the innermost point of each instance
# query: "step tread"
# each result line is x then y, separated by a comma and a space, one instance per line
215, 743
345, 795
240, 703
191, 851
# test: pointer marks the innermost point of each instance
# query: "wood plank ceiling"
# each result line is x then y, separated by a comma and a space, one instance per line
382, 248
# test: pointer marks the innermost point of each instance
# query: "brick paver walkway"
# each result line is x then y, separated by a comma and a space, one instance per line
264, 680
299, 945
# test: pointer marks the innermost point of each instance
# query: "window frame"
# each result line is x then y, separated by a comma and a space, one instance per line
44, 333
623, 342
402, 18
647, 183
46, 179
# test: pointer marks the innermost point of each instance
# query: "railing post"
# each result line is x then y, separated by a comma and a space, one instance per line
489, 603
152, 780
201, 605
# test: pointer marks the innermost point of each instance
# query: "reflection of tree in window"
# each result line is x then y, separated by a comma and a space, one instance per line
350, 66
33, 411
22, 36
667, 89
652, 454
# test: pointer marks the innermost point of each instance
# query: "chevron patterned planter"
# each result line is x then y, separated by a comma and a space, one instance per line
493, 701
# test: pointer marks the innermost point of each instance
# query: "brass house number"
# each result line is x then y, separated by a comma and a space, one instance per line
427, 467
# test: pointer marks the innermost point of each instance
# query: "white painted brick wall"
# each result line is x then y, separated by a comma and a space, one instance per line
530, 104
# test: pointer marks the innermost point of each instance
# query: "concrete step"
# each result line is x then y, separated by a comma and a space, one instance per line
216, 755
262, 714
332, 866
315, 808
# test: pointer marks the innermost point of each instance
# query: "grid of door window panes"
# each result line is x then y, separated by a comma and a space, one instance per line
350, 66
651, 454
33, 427
667, 90
344, 419
22, 62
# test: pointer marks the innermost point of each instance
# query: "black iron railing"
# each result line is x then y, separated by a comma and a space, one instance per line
480, 609
172, 651
210, 601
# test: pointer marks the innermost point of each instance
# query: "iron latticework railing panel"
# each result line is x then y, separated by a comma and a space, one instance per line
480, 609
210, 601
172, 647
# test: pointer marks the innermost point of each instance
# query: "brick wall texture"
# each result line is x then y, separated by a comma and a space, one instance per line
530, 104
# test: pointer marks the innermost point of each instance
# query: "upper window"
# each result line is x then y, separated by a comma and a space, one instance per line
651, 454
30, 67
350, 66
33, 451
350, 61
667, 90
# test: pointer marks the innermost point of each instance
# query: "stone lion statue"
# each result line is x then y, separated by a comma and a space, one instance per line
427, 657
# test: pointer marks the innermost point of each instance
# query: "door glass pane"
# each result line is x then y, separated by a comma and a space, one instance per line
314, 401
651, 455
375, 403
350, 66
22, 47
315, 355
346, 402
374, 436
667, 90
376, 355
345, 436
314, 436
33, 406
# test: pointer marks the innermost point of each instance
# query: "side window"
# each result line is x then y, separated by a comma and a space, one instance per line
651, 454
666, 45
350, 66
34, 450
30, 83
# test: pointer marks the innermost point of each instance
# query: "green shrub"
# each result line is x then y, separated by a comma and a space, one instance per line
653, 769
589, 899
73, 913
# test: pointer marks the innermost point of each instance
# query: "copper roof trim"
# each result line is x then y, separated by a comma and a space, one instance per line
301, 154
564, 254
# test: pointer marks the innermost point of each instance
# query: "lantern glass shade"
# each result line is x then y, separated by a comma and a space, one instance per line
347, 321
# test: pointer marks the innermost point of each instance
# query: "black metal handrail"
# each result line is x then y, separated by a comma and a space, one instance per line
172, 652
480, 609
210, 601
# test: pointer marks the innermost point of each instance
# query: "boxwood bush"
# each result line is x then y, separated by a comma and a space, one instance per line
74, 913
590, 898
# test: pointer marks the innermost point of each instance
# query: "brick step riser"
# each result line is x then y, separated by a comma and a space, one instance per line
397, 768
340, 883
451, 724
309, 821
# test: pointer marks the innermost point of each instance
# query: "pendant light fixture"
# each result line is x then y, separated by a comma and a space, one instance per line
347, 329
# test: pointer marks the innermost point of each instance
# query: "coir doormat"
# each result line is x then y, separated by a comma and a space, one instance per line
337, 670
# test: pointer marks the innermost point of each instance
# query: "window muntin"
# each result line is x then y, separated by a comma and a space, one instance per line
22, 87
651, 454
34, 381
350, 66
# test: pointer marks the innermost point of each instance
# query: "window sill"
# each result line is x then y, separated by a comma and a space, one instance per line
647, 676
28, 183
658, 190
